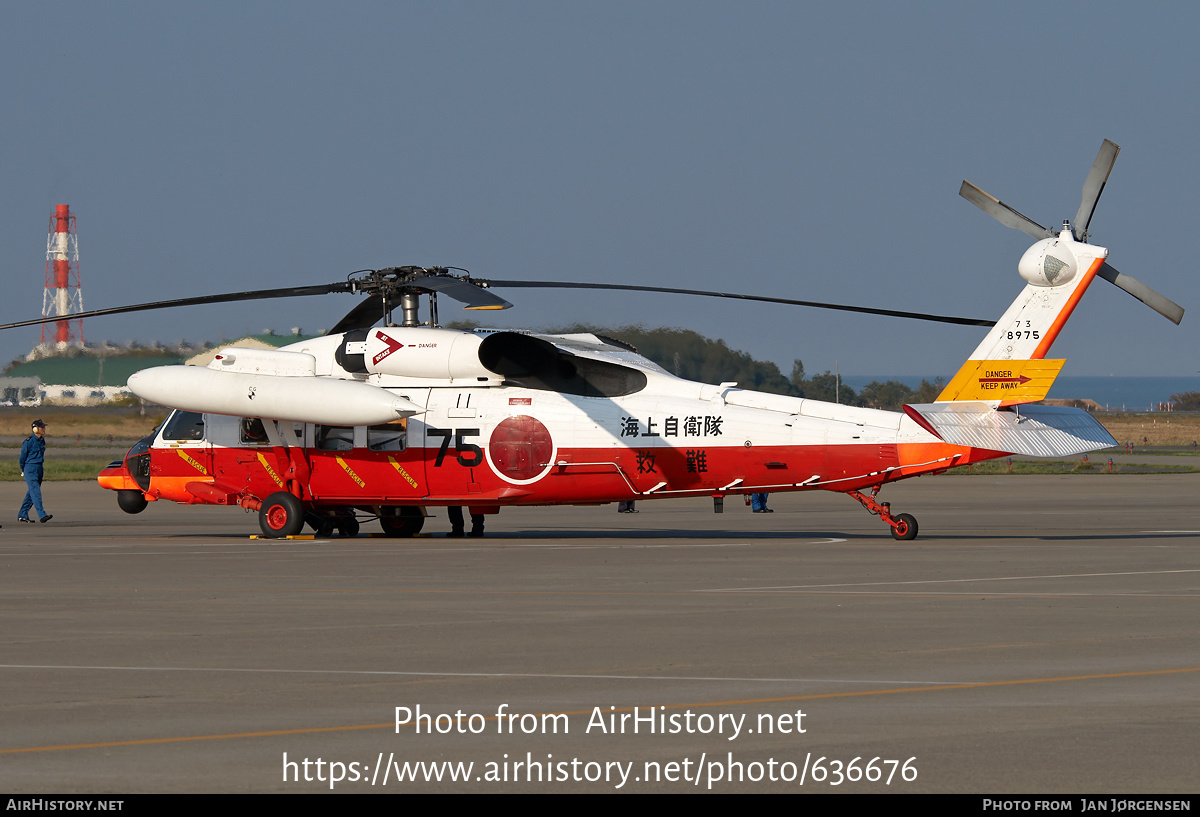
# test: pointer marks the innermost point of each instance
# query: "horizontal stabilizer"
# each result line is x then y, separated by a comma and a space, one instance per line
1035, 431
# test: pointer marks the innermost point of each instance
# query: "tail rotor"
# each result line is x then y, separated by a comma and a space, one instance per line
1093, 187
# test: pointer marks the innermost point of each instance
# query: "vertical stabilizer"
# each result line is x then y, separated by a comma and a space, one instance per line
1009, 366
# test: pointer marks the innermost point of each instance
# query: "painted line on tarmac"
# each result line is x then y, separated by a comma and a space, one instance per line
434, 674
991, 594
500, 545
588, 712
824, 541
949, 581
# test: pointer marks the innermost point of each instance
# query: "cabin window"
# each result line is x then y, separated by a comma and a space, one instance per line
335, 438
388, 437
184, 425
252, 431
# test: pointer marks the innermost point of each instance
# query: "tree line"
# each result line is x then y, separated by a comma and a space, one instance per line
1186, 401
692, 356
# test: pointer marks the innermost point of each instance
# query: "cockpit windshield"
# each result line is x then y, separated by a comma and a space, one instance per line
183, 426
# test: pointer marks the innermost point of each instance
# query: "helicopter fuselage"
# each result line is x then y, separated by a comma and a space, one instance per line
391, 420
548, 420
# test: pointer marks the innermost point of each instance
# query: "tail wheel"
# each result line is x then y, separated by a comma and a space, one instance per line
905, 527
281, 515
408, 522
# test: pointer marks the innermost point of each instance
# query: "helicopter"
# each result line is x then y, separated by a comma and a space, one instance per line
387, 421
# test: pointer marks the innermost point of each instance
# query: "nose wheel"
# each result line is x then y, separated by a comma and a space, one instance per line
903, 525
281, 515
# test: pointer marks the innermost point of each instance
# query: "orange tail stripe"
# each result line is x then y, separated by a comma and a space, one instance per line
1056, 327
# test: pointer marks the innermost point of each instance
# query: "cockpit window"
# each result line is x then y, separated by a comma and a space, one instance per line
184, 425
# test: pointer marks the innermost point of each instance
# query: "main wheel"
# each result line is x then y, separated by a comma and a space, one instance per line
131, 501
906, 527
347, 526
322, 525
408, 523
281, 515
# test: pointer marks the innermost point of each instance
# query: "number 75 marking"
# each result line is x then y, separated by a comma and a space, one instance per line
469, 454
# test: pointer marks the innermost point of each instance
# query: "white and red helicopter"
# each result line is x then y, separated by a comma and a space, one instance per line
390, 421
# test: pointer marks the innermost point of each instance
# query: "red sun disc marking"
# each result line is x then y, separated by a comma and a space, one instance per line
520, 447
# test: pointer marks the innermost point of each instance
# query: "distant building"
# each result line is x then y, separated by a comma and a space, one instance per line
267, 340
79, 381
20, 391
88, 376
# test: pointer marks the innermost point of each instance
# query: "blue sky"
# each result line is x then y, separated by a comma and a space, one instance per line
805, 150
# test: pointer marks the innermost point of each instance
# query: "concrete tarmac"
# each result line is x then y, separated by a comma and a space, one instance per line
1042, 635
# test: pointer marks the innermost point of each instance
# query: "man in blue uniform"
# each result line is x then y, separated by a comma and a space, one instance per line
455, 515
33, 455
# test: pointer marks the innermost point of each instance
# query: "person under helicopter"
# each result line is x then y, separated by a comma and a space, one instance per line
455, 513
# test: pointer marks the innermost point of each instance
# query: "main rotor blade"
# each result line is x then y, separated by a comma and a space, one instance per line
1160, 304
1093, 186
474, 297
1001, 211
251, 295
894, 313
362, 316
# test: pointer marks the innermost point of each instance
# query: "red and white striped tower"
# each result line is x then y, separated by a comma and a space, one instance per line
63, 294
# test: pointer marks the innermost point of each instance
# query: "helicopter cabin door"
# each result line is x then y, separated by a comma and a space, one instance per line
366, 465
182, 456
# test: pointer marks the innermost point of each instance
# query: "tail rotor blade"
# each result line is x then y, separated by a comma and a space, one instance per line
1160, 304
1002, 212
1093, 186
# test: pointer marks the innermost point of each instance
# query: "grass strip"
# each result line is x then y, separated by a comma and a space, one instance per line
76, 468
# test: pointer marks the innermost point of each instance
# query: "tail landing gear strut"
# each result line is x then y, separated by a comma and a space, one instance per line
904, 526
